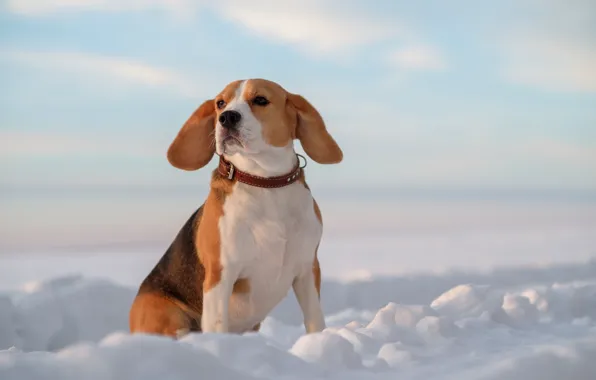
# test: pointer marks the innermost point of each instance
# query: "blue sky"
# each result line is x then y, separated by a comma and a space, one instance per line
419, 94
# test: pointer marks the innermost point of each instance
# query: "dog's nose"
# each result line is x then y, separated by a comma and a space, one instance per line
229, 119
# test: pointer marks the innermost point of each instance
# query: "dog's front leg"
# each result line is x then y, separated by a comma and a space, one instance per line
308, 299
217, 290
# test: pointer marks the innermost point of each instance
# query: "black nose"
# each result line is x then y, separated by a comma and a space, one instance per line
229, 119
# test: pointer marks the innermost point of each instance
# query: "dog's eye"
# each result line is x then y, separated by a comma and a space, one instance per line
260, 101
220, 104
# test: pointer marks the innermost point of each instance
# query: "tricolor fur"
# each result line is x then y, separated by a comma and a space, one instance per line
242, 251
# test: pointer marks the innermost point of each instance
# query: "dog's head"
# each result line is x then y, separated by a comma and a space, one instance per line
251, 118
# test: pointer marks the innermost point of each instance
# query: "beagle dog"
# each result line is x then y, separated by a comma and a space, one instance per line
257, 234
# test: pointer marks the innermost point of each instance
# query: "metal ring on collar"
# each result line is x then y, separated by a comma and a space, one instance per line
304, 158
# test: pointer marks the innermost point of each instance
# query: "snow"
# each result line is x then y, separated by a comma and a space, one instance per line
445, 290
541, 325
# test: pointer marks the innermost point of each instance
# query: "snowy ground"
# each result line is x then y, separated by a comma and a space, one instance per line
517, 324
521, 305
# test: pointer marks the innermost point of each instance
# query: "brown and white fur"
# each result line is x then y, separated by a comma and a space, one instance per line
243, 250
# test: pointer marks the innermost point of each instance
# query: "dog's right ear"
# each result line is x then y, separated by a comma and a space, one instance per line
194, 146
312, 132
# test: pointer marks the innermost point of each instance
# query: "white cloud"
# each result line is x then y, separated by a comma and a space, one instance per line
532, 162
315, 26
551, 64
321, 27
562, 151
44, 7
112, 66
418, 58
98, 67
550, 45
465, 150
27, 144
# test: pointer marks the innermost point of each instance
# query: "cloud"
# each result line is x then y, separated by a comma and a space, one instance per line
321, 27
94, 67
551, 63
45, 7
532, 162
556, 50
316, 26
419, 57
47, 159
44, 144
464, 150
562, 151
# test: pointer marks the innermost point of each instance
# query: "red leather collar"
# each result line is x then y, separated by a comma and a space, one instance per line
229, 171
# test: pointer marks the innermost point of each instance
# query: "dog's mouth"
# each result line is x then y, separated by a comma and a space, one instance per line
232, 141
229, 141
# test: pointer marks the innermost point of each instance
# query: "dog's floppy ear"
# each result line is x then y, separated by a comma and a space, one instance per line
312, 133
194, 147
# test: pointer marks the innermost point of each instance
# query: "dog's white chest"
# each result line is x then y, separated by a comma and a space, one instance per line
270, 236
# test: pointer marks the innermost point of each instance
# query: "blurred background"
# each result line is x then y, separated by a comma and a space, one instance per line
468, 128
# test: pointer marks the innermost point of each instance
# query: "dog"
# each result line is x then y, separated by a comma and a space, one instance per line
257, 234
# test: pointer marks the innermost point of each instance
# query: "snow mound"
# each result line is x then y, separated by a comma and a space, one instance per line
468, 301
76, 328
547, 362
248, 353
52, 315
422, 289
118, 357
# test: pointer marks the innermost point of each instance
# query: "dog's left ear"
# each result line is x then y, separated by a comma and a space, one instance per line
311, 131
194, 147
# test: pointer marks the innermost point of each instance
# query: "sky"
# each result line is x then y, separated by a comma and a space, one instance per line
419, 94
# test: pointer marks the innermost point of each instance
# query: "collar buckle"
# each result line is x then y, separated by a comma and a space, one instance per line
231, 171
